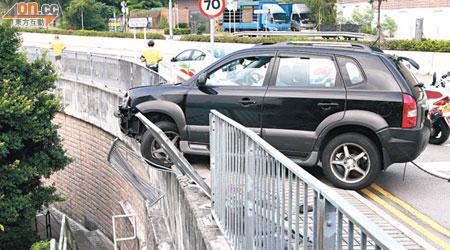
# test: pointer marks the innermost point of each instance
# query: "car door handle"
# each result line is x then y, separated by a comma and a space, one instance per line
327, 105
247, 102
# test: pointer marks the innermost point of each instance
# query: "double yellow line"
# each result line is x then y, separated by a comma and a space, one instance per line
406, 218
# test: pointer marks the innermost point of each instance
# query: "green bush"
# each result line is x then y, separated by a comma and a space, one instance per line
180, 31
406, 45
183, 25
201, 28
139, 35
42, 245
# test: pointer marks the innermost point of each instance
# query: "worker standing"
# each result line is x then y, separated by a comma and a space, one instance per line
151, 56
58, 47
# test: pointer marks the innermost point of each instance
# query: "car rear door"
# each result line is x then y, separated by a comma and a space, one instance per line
235, 87
304, 90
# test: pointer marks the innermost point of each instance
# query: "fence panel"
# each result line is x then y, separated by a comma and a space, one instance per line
263, 200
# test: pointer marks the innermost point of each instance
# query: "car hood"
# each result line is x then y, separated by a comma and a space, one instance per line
174, 93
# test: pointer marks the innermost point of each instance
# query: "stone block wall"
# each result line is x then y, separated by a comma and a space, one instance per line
92, 187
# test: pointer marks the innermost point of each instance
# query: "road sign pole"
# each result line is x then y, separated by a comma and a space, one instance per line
234, 20
257, 22
134, 33
211, 22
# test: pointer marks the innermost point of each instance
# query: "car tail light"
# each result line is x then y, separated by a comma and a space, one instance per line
441, 102
409, 117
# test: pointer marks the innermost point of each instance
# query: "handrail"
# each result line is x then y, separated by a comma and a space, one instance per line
133, 222
263, 192
66, 240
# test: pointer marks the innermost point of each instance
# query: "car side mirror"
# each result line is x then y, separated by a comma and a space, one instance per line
201, 80
174, 59
446, 75
271, 20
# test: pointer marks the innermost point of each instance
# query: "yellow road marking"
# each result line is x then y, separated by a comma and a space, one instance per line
406, 219
416, 213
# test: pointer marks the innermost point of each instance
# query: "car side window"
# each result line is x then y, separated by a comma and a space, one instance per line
249, 71
306, 72
183, 56
198, 55
351, 72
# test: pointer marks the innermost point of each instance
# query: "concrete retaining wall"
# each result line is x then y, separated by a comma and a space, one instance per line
181, 220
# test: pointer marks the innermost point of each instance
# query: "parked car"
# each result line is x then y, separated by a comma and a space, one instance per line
349, 106
191, 61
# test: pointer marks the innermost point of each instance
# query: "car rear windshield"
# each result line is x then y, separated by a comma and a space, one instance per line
410, 79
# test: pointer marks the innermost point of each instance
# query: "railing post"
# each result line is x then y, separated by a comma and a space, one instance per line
327, 234
52, 244
131, 74
104, 70
118, 73
249, 193
212, 139
76, 65
91, 67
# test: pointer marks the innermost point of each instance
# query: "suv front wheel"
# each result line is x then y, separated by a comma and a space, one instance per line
152, 150
351, 161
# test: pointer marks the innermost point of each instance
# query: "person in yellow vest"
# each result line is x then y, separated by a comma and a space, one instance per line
151, 56
58, 47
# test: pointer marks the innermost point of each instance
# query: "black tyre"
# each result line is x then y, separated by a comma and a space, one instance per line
151, 149
439, 132
351, 161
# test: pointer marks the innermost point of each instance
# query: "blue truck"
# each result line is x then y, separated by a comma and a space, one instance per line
301, 17
245, 18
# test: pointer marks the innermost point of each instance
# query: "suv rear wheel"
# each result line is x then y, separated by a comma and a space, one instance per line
351, 161
152, 150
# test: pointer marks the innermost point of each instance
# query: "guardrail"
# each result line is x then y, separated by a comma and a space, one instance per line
112, 72
323, 34
263, 200
177, 158
66, 240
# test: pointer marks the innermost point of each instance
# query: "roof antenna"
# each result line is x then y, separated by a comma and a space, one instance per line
378, 38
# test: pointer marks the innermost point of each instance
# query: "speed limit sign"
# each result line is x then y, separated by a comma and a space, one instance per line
211, 8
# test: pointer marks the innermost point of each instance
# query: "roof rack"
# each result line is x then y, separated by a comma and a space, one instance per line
361, 46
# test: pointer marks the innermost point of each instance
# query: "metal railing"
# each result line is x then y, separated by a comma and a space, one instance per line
324, 34
107, 70
116, 239
66, 240
263, 200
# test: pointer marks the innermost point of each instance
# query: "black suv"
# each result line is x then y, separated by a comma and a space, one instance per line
347, 105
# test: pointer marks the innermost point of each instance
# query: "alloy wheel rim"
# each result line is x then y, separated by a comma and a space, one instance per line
158, 152
350, 163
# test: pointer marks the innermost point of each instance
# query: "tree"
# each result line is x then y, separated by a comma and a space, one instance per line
146, 4
364, 18
379, 17
30, 148
389, 25
324, 10
88, 14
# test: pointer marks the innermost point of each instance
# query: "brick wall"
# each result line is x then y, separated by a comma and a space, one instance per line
404, 4
92, 187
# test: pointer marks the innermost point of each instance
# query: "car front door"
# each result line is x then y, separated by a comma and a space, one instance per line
235, 87
304, 90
